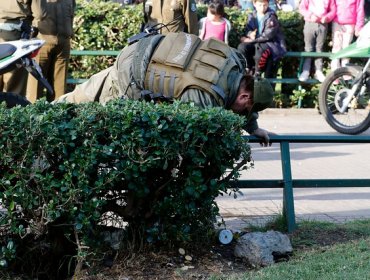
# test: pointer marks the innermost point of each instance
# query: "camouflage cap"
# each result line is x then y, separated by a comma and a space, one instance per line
263, 94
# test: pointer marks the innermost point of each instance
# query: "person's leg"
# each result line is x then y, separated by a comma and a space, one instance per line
261, 56
14, 81
44, 59
348, 33
62, 52
321, 36
309, 46
271, 68
320, 40
337, 39
248, 50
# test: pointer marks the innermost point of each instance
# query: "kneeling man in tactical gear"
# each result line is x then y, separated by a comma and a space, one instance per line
183, 67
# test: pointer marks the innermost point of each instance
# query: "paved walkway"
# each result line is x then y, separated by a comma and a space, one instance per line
319, 161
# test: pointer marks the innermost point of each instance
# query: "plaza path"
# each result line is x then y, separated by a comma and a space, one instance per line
315, 161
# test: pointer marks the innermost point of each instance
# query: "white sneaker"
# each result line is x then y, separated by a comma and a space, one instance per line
319, 75
304, 76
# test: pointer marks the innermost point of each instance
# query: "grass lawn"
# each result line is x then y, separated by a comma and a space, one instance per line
322, 251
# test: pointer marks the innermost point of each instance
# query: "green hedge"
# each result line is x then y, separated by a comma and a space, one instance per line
65, 166
107, 26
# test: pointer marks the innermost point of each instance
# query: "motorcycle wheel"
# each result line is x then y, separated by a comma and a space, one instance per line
11, 100
334, 89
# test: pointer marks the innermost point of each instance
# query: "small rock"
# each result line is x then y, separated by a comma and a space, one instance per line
259, 248
188, 258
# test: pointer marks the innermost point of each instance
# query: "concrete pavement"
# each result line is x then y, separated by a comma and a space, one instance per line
316, 161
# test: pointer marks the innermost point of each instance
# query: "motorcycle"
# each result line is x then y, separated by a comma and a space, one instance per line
344, 97
20, 53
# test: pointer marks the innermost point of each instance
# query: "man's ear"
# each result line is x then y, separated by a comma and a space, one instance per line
245, 96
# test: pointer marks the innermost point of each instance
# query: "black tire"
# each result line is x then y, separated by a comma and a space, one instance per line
12, 100
335, 87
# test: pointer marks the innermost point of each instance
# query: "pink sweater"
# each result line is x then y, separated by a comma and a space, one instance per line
318, 8
350, 12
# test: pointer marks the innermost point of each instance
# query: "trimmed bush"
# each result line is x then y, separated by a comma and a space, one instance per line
64, 167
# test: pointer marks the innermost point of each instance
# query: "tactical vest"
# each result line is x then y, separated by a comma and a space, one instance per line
182, 61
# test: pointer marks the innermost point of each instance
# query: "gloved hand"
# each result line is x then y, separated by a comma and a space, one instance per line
26, 29
34, 32
264, 135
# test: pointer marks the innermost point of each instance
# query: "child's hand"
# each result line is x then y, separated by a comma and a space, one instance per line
252, 34
245, 39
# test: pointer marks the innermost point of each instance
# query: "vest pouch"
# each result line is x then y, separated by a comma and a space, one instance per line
204, 72
216, 46
176, 50
210, 59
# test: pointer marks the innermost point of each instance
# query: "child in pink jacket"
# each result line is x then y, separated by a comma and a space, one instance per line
317, 14
349, 20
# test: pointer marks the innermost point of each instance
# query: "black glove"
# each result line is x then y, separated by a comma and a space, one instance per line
34, 31
26, 30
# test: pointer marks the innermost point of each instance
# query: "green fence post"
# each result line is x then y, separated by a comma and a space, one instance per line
288, 199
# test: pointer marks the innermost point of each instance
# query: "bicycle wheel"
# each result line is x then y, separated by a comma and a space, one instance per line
336, 87
12, 99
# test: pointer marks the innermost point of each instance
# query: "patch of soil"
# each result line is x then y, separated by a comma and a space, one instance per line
303, 237
217, 260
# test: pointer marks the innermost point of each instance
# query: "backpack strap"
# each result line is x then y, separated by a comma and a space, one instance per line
144, 51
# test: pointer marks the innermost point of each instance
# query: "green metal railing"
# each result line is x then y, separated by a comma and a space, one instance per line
288, 183
75, 81
300, 55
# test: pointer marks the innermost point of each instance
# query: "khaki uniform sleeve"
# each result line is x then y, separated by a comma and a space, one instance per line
89, 91
191, 16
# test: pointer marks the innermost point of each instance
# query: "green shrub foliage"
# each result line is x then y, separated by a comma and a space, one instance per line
158, 167
102, 25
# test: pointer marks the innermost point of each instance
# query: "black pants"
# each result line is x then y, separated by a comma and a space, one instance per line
253, 52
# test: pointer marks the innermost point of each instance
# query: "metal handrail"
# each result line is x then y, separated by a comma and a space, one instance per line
288, 183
